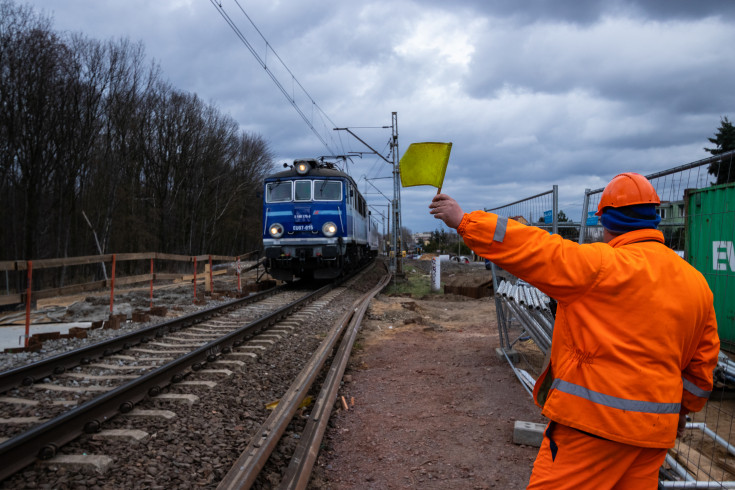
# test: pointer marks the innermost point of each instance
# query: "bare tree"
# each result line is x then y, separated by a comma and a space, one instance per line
31, 95
90, 130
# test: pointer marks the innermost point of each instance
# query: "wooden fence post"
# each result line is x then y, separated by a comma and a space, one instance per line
112, 284
28, 301
195, 279
151, 305
239, 284
211, 280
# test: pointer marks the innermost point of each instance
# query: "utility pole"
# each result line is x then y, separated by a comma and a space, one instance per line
397, 262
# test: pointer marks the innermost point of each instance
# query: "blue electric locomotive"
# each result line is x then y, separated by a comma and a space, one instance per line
315, 222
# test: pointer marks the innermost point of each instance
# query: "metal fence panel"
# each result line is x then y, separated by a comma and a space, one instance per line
541, 210
671, 186
525, 329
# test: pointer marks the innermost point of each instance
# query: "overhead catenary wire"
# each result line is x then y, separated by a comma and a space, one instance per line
262, 61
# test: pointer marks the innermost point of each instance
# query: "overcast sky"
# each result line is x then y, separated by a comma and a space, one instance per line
531, 94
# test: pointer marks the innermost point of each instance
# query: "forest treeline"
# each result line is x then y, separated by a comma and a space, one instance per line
100, 154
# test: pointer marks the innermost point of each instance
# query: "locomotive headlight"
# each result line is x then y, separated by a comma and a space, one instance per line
329, 229
276, 230
302, 168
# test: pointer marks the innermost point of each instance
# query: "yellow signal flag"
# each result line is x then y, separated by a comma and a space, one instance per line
425, 164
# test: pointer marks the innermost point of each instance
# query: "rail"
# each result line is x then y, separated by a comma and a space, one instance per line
44, 440
247, 467
26, 375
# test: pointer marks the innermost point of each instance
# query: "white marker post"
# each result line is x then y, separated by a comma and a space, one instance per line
435, 274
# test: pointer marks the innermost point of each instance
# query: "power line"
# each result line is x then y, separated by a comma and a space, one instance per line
262, 61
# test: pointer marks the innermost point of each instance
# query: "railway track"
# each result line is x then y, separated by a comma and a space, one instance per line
208, 373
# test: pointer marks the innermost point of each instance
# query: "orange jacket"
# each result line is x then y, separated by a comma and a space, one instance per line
635, 338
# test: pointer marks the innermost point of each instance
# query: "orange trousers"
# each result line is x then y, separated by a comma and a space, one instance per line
570, 459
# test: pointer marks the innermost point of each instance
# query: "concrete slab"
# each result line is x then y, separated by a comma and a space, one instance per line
166, 414
32, 403
208, 384
193, 336
88, 463
117, 367
159, 352
244, 354
20, 420
189, 399
528, 433
18, 401
511, 353
72, 389
225, 372
136, 435
96, 377
178, 344
65, 403
223, 362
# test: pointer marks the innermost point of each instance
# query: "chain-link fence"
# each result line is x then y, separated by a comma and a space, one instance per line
698, 221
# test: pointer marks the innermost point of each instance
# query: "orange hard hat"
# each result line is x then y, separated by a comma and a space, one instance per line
625, 190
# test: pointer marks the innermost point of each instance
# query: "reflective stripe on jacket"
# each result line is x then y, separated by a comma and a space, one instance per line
635, 338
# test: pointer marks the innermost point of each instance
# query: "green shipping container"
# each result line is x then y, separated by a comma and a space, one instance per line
711, 249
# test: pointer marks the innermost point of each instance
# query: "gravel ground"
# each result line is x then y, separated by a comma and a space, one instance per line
198, 446
434, 406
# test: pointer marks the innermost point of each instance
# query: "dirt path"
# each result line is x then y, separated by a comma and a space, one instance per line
433, 405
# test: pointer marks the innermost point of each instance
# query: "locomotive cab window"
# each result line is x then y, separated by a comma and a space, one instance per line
327, 190
278, 191
302, 190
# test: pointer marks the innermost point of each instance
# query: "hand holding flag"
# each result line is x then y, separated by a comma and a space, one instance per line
446, 209
425, 164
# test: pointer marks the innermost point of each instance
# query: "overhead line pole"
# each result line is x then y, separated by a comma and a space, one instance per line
396, 261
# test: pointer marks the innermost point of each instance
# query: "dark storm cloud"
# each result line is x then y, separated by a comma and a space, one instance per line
531, 93
587, 12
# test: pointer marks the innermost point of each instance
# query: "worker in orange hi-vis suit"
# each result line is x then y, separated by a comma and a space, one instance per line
634, 344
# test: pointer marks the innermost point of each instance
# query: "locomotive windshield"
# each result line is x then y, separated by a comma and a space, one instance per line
303, 190
327, 190
278, 191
